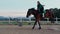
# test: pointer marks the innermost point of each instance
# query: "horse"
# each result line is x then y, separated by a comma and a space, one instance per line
49, 14
37, 16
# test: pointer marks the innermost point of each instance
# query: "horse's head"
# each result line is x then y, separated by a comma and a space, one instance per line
49, 13
29, 12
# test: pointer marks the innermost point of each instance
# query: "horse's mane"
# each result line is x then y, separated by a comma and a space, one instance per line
31, 9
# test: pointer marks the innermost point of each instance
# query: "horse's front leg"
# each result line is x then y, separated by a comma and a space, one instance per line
34, 24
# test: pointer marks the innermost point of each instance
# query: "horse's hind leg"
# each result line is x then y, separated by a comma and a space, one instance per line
34, 25
52, 20
39, 25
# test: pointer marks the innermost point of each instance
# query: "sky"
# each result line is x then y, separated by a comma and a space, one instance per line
20, 7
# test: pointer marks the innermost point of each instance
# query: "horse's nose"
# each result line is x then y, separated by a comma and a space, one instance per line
27, 16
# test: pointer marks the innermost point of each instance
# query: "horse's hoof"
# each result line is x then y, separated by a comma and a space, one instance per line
39, 28
32, 28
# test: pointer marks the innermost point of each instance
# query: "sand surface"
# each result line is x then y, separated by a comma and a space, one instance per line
15, 29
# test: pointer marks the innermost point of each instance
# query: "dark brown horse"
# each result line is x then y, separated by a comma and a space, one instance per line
37, 16
49, 14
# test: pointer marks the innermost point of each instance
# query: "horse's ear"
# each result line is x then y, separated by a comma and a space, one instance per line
28, 9
33, 8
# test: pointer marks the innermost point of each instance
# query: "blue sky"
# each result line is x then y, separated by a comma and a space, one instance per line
20, 7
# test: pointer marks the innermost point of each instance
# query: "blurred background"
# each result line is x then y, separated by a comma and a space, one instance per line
12, 11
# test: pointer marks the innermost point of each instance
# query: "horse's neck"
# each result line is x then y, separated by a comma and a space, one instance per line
35, 13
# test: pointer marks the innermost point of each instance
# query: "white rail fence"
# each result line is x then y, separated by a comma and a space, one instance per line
30, 21
42, 22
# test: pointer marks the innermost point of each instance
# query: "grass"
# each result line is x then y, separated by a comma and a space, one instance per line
5, 23
24, 23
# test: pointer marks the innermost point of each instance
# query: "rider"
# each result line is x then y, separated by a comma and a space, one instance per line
40, 8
